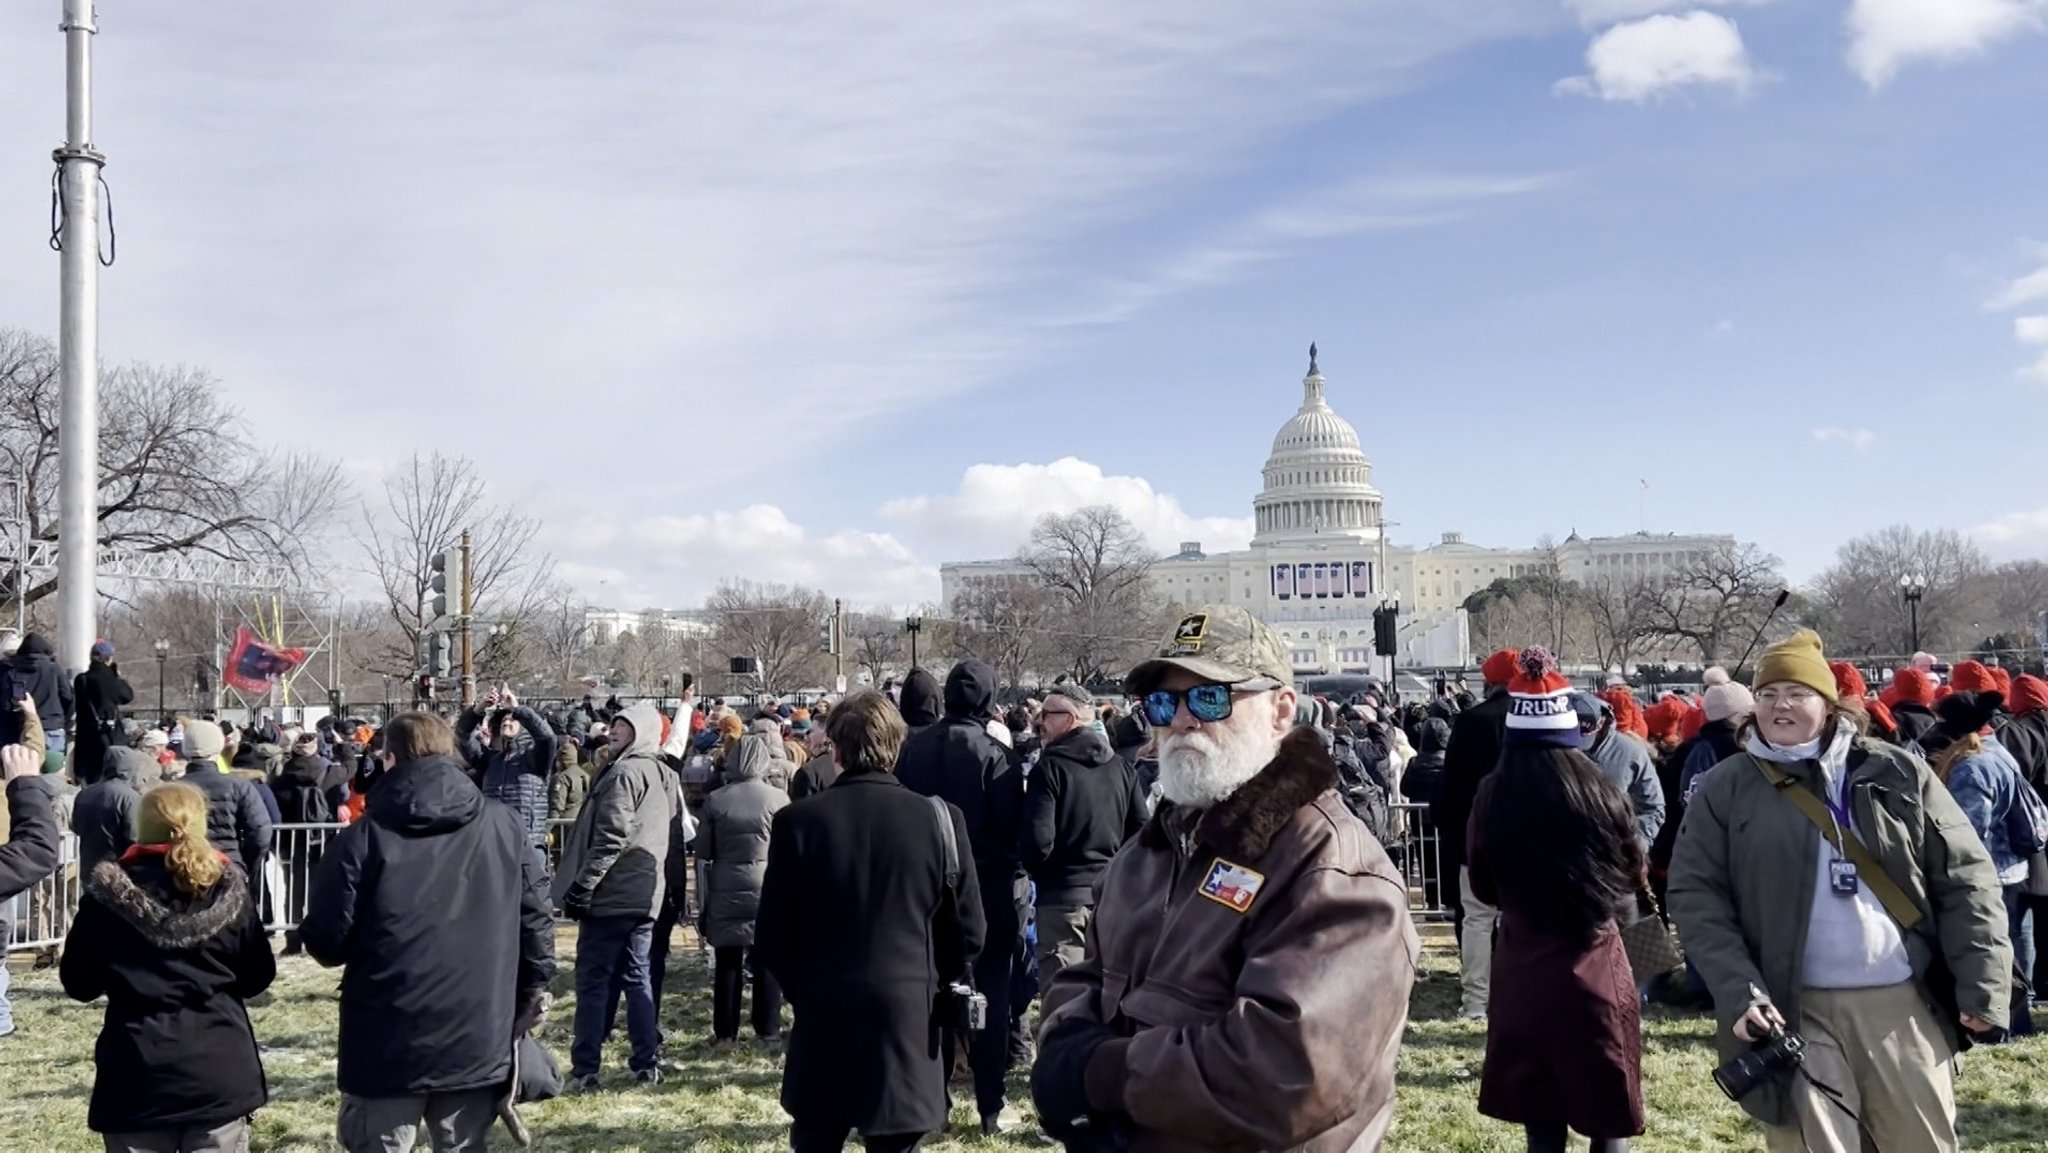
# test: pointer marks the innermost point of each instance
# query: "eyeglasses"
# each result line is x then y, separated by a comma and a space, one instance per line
1786, 698
1206, 703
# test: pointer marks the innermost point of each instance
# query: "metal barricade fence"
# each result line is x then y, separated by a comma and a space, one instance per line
38, 917
1417, 851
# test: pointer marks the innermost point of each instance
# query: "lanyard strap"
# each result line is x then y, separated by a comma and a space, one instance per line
1868, 868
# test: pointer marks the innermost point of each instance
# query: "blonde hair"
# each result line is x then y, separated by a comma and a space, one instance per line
175, 815
1945, 761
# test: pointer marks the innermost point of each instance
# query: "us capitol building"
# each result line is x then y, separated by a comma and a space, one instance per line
1320, 561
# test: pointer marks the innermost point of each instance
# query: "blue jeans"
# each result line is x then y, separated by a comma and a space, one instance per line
614, 950
2019, 917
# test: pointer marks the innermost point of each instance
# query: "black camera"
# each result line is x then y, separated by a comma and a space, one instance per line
964, 1009
1780, 1052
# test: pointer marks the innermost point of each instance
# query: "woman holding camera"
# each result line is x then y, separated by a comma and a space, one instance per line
1830, 887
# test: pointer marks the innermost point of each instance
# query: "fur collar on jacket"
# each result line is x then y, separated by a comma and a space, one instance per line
1242, 826
166, 917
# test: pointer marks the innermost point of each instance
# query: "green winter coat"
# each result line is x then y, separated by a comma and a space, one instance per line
566, 792
1742, 890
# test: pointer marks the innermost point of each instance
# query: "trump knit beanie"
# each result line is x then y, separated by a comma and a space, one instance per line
1541, 710
1798, 659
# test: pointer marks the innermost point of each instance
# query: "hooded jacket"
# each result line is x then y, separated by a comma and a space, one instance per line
103, 816
1082, 803
1627, 764
237, 820
732, 839
301, 791
35, 673
919, 701
958, 761
175, 1050
1474, 751
434, 903
517, 773
1423, 777
1255, 960
613, 864
2025, 736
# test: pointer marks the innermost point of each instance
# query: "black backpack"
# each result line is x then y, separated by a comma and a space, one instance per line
1363, 794
306, 805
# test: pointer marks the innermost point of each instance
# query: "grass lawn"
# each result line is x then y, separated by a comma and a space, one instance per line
726, 1100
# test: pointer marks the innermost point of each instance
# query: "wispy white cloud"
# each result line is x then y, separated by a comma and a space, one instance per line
1594, 13
1361, 205
1651, 58
1886, 35
2015, 533
1860, 439
2030, 330
1724, 328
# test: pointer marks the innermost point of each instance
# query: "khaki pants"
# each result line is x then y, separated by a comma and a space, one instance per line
1884, 1052
1062, 940
1475, 947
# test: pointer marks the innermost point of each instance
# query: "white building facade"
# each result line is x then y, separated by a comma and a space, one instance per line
1320, 563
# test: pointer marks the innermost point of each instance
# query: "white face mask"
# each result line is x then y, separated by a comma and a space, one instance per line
1198, 769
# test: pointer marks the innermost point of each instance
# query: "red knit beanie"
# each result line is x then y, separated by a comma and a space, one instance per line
1848, 682
2002, 679
1500, 668
1971, 677
1910, 686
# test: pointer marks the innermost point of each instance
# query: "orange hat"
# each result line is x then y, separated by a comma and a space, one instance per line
1628, 715
1971, 677
1943, 692
1848, 682
1500, 668
2002, 678
1666, 719
1881, 718
1910, 686
1695, 720
730, 725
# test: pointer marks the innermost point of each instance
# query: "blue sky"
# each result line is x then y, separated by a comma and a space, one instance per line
836, 293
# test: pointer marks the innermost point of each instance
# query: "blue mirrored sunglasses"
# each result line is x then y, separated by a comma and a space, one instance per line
1206, 703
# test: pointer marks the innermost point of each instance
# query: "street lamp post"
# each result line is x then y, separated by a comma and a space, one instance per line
1913, 586
913, 626
163, 654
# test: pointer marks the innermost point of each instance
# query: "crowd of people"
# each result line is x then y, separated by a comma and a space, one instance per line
1173, 917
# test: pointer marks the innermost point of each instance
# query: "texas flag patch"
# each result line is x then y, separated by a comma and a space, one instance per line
1232, 885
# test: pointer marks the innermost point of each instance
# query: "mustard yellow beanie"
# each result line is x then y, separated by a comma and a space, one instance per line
1798, 659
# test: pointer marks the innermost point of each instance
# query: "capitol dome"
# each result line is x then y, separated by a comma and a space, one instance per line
1318, 482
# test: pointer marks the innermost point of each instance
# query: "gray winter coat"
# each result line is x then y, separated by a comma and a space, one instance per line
732, 840
1628, 764
612, 864
103, 816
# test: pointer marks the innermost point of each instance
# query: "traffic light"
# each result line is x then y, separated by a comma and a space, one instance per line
1385, 620
437, 580
440, 664
828, 636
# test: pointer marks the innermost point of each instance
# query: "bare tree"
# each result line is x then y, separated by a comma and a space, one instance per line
1858, 606
180, 470
1008, 625
1717, 601
1619, 610
876, 642
427, 506
1097, 569
775, 624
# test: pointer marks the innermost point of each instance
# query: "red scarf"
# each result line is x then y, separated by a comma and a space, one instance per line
138, 852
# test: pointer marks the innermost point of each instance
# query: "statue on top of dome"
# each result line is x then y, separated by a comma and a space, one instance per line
1312, 370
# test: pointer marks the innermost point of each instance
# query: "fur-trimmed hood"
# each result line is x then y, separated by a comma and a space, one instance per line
1243, 825
144, 896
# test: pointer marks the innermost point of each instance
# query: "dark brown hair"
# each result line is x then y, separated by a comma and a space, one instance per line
414, 736
866, 733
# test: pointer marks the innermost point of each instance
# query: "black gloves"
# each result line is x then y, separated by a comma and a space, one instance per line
1059, 1084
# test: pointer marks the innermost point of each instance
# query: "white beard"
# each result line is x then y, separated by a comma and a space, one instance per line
1204, 767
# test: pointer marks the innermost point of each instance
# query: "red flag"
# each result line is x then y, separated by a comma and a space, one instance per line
254, 666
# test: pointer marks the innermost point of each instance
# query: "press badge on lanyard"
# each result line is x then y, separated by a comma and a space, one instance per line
1841, 872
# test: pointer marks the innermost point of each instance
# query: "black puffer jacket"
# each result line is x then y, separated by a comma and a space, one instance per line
302, 792
1083, 803
103, 815
518, 772
436, 904
176, 1050
99, 692
237, 820
1423, 777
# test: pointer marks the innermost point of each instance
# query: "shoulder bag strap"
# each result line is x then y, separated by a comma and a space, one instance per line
946, 838
1868, 868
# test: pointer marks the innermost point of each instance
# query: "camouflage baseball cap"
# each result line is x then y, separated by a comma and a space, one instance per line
1219, 643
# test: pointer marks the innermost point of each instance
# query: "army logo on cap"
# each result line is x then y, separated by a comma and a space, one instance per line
1189, 635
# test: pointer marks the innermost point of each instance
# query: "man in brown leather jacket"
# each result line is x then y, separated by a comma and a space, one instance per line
1247, 974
